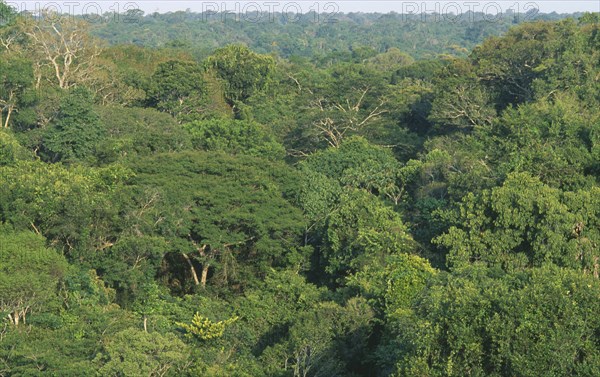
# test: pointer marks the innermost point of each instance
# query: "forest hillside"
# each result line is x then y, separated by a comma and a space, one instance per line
367, 198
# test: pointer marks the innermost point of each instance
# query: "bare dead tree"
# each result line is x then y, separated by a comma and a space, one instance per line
344, 118
63, 51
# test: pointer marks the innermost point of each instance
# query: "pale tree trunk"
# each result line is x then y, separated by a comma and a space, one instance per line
37, 72
16, 311
145, 323
9, 106
192, 269
205, 267
10, 110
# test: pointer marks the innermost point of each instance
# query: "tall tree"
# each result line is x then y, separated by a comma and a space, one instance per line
16, 76
7, 13
76, 130
132, 352
235, 137
29, 274
525, 223
227, 214
63, 52
480, 321
178, 88
243, 71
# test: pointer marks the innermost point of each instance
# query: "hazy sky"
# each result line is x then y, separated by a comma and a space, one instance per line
546, 6
563, 6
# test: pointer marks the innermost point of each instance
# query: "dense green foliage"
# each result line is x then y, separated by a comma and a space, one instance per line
329, 36
363, 198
